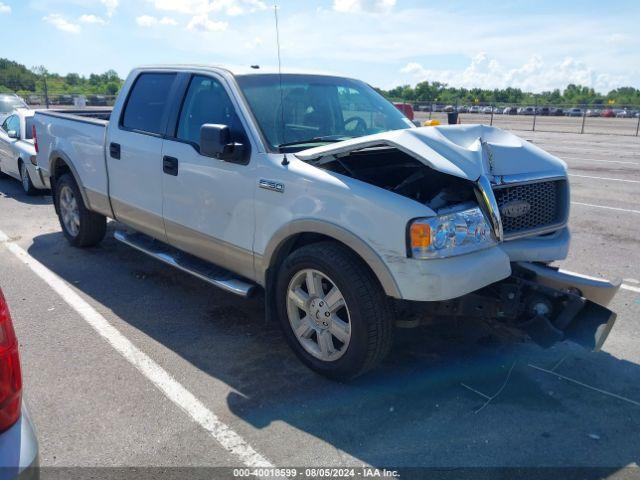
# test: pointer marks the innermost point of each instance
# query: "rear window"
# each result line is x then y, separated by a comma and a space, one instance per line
28, 127
146, 106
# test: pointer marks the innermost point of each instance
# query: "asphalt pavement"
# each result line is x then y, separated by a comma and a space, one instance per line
95, 407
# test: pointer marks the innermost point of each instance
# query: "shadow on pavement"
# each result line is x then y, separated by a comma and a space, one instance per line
11, 188
412, 412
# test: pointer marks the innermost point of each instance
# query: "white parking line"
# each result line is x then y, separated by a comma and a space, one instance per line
170, 387
630, 288
589, 160
606, 207
605, 178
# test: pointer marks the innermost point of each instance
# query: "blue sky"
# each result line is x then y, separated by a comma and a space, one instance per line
534, 45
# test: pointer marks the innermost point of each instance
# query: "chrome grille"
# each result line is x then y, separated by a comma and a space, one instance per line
546, 201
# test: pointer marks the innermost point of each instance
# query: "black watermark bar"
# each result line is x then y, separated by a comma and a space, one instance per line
320, 473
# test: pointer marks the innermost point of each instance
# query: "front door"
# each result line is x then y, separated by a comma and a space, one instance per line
8, 154
134, 153
208, 203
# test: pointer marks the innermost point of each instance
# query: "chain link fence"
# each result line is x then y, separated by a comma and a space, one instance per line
69, 100
561, 118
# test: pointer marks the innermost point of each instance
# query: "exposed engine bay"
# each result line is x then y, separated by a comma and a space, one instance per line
394, 170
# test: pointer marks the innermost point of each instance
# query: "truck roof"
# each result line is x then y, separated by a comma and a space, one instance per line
237, 70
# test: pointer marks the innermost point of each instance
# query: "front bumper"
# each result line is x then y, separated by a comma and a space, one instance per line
37, 177
448, 278
19, 450
547, 304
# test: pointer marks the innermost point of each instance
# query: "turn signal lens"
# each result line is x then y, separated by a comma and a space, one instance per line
420, 235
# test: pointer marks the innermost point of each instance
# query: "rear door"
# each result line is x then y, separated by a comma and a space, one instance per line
134, 153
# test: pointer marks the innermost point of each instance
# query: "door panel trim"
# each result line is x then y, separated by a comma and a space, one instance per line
219, 252
141, 220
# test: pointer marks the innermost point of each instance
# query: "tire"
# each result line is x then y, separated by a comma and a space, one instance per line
82, 227
25, 180
367, 311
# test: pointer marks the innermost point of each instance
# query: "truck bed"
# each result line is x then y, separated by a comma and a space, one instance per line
101, 115
76, 137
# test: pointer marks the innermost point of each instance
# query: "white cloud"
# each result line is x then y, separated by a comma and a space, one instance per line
202, 7
354, 6
149, 21
92, 19
203, 23
111, 6
256, 42
534, 75
6, 9
62, 23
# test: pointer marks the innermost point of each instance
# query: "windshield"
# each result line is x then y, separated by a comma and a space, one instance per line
9, 104
316, 109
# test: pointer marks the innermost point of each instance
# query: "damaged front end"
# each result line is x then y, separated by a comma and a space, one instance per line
523, 195
547, 304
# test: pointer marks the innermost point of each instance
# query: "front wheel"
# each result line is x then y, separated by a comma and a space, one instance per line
333, 311
82, 227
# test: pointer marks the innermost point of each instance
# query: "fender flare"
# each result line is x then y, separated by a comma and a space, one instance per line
54, 158
355, 243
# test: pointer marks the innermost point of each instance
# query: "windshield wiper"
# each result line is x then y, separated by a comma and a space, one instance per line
325, 139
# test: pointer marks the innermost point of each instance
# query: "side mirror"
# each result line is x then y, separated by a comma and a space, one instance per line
12, 134
215, 142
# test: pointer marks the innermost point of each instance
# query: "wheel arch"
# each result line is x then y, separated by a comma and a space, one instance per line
59, 164
306, 231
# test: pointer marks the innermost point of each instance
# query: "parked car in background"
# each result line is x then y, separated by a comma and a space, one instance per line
510, 111
498, 110
574, 112
18, 441
623, 113
593, 112
526, 111
474, 109
35, 100
556, 111
97, 100
608, 113
543, 111
407, 109
462, 109
449, 109
18, 151
8, 103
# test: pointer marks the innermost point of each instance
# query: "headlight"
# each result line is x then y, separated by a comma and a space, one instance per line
450, 234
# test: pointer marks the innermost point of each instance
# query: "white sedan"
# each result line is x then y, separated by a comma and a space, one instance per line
18, 152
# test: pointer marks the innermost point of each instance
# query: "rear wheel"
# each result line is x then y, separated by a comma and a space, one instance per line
82, 227
334, 313
27, 185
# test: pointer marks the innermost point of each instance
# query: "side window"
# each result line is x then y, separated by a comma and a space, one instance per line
149, 97
13, 123
5, 125
28, 127
207, 102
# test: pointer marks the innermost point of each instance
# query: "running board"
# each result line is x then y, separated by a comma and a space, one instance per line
202, 269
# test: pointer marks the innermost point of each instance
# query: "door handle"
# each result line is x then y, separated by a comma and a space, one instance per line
114, 150
170, 165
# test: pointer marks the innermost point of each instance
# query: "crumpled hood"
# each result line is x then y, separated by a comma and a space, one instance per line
455, 149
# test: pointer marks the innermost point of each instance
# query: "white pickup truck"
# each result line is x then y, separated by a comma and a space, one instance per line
317, 190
